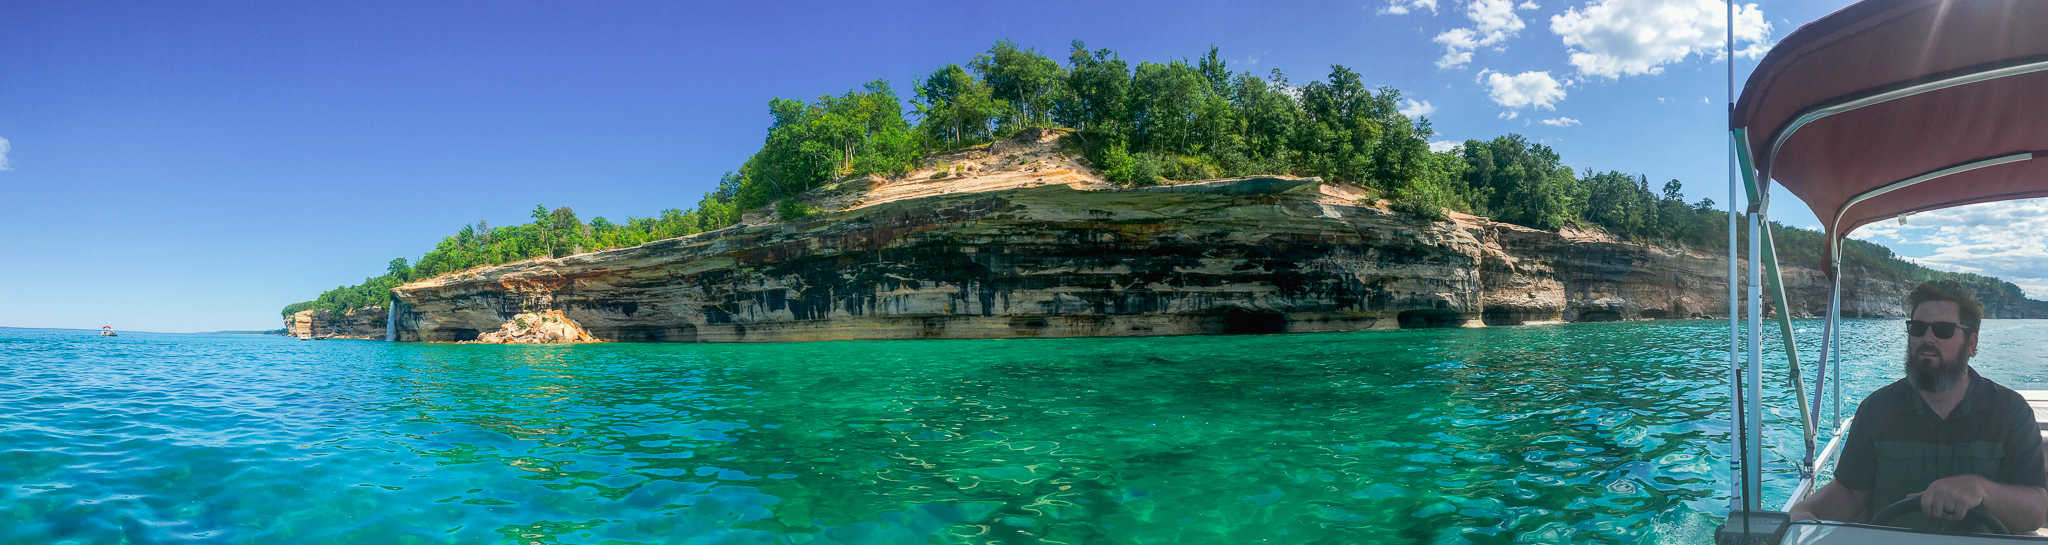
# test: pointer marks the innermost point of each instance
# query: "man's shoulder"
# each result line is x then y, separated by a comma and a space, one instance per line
1892, 397
2003, 398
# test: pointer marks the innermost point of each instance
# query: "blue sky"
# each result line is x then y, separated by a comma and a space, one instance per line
195, 167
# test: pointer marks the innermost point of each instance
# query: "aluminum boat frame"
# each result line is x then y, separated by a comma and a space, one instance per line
1882, 109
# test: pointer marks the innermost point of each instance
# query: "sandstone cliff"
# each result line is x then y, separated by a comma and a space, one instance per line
1234, 256
1024, 243
360, 323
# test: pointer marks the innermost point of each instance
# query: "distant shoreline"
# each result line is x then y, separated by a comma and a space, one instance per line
95, 330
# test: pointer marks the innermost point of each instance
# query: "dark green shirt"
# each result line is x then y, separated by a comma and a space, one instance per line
1897, 446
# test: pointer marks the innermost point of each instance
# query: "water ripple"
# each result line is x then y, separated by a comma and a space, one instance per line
1611, 433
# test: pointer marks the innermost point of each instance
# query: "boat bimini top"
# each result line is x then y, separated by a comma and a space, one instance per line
1882, 109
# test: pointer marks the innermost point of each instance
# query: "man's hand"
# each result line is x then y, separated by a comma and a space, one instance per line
1952, 497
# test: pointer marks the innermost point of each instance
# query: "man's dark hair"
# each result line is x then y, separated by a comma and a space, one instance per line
1970, 312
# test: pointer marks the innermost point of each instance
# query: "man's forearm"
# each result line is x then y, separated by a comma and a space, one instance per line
1831, 502
2021, 508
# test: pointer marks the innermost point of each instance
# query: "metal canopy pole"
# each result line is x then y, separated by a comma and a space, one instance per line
1765, 249
1777, 292
1752, 457
1737, 430
1827, 340
1835, 344
1737, 139
1827, 343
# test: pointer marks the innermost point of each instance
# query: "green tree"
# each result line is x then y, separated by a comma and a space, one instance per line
1523, 183
1024, 78
1617, 202
1269, 119
1096, 102
1212, 68
397, 268
1165, 99
955, 109
565, 234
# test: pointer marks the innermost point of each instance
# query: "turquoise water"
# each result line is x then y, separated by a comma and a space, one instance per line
1611, 432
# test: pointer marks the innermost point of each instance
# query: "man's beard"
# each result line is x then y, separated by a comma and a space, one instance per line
1936, 376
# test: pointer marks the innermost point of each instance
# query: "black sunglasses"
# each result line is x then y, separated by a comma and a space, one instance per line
1942, 330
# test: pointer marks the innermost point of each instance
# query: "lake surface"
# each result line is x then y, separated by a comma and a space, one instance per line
1611, 432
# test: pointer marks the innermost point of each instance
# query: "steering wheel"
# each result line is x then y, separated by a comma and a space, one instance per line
1977, 520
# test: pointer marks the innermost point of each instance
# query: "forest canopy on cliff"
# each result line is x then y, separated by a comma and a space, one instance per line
1138, 126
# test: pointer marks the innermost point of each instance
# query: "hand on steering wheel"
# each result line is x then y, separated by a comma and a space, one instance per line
1977, 520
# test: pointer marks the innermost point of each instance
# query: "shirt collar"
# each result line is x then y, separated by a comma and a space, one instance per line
1978, 387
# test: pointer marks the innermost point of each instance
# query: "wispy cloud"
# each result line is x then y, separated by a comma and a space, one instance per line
1560, 122
1402, 7
5, 147
1614, 38
2001, 239
1440, 146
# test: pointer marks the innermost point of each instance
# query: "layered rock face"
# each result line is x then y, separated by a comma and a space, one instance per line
1573, 276
1255, 255
1251, 255
359, 323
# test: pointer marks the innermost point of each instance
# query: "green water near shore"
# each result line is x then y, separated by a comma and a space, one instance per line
1609, 432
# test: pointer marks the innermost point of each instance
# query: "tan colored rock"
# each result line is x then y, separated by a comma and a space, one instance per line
994, 248
544, 327
365, 323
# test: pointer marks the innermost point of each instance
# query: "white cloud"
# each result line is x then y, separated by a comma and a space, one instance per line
1614, 38
1413, 109
1458, 45
1493, 22
1560, 122
1527, 89
2001, 239
5, 146
1529, 5
1705, 100
1661, 100
1402, 7
1510, 114
1440, 146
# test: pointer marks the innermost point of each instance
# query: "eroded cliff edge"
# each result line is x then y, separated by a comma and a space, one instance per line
358, 323
1253, 255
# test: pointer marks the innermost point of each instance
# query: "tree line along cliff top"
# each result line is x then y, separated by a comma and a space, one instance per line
1132, 126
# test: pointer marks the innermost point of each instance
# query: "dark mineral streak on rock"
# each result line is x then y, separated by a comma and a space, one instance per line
1256, 255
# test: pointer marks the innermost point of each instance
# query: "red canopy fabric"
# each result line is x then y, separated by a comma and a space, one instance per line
1874, 47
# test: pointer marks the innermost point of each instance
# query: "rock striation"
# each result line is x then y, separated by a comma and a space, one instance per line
358, 323
1019, 240
1251, 255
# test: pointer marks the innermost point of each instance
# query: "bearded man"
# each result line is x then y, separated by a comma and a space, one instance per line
1943, 434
